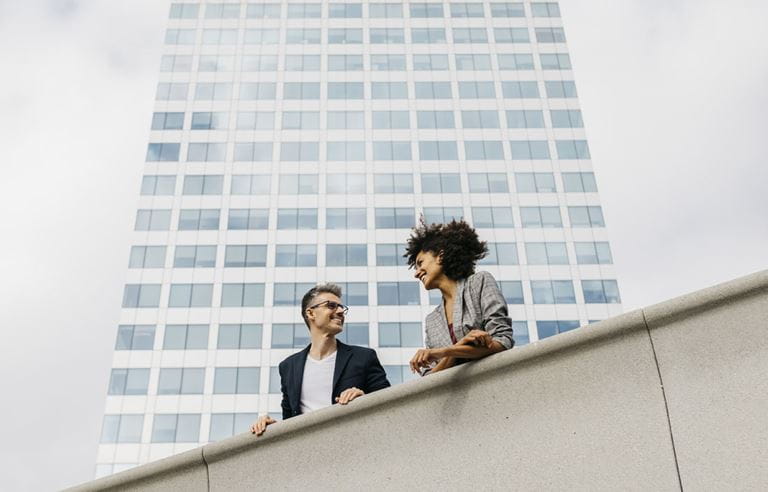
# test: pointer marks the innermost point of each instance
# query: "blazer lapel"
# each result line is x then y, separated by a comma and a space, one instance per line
343, 354
298, 377
458, 311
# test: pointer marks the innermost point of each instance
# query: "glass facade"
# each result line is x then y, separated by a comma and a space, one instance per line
295, 143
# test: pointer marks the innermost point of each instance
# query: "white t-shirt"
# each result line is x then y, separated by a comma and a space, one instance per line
317, 383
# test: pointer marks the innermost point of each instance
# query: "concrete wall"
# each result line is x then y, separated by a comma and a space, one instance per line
669, 397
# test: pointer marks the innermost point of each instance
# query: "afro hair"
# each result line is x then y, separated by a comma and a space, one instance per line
456, 243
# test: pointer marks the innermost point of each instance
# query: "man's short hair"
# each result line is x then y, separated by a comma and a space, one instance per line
313, 292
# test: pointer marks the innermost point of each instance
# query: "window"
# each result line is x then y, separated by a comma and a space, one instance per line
398, 293
255, 120
253, 152
242, 336
254, 91
299, 151
526, 89
224, 425
420, 35
355, 293
547, 217
433, 90
215, 63
342, 183
209, 121
199, 220
546, 254
345, 36
222, 10
290, 335
512, 290
593, 253
242, 295
553, 292
298, 184
385, 10
520, 330
304, 11
550, 35
442, 215
346, 255
122, 428
183, 11
462, 35
440, 183
438, 150
394, 218
579, 182
147, 257
555, 61
176, 428
572, 149
391, 119
424, 10
489, 217
185, 337
172, 91
525, 118
152, 220
345, 120
206, 152
141, 296
476, 90
302, 35
176, 63
391, 151
302, 63
387, 35
473, 62
289, 293
301, 90
516, 61
345, 218
345, 90
591, 216
167, 121
393, 183
483, 150
236, 380
194, 256
213, 91
507, 9
128, 382
262, 11
181, 381
388, 62
500, 254
535, 183
529, 149
557, 89
400, 335
566, 118
390, 255
548, 329
600, 291
135, 337
250, 184
344, 63
354, 334
297, 218
430, 62
261, 36
463, 10
480, 118
511, 35
545, 9
293, 255
221, 36
389, 90
245, 256
203, 185
435, 119
345, 151
190, 295
242, 219
488, 183
399, 374
259, 63
345, 10
162, 152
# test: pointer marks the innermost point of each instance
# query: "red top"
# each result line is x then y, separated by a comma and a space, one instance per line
453, 335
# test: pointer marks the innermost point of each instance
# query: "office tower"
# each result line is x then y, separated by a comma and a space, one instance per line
294, 143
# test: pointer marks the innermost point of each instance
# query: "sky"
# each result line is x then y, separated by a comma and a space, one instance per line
674, 101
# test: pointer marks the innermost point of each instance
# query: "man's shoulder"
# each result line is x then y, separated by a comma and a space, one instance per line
357, 350
292, 359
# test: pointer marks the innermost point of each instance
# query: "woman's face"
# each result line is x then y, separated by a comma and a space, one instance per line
428, 269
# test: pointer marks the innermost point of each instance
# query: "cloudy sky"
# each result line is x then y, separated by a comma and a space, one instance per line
674, 95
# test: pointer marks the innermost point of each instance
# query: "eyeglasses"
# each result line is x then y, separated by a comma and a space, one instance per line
332, 305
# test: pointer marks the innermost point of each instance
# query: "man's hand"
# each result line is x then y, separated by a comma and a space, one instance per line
261, 424
424, 358
478, 338
348, 395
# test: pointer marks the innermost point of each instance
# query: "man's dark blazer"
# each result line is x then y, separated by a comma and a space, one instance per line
357, 367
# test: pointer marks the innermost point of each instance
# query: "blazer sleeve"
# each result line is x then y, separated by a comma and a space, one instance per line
498, 324
375, 377
284, 404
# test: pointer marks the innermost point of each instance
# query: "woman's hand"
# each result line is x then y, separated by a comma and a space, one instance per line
478, 338
424, 358
261, 424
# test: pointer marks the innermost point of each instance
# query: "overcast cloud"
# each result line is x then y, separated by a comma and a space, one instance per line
674, 99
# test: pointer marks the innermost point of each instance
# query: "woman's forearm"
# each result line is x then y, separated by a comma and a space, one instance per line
470, 351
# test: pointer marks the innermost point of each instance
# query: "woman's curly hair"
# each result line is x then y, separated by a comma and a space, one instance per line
456, 241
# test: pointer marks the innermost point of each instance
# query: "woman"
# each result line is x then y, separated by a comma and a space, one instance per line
471, 322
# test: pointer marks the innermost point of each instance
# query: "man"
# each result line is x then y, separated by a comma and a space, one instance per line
327, 370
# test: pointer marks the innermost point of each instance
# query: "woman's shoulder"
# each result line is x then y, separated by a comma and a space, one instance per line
434, 315
479, 278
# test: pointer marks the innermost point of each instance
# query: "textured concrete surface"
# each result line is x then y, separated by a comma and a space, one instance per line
583, 410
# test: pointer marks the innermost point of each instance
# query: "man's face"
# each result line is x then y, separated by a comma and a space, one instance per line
322, 317
428, 269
